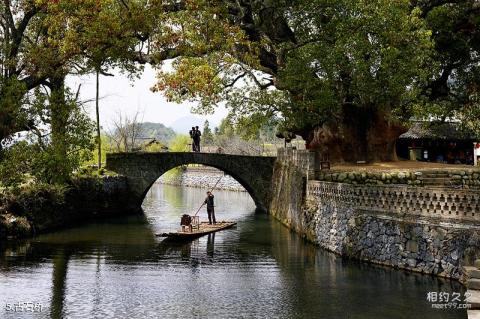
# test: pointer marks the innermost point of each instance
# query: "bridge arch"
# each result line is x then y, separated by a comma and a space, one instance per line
254, 173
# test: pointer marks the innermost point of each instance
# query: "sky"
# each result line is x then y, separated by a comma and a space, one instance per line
120, 94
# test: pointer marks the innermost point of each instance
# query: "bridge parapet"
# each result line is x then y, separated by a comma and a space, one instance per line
306, 161
254, 173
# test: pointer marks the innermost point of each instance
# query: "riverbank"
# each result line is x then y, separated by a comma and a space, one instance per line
39, 209
392, 218
202, 177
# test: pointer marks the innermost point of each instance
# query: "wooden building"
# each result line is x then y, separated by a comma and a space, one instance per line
438, 142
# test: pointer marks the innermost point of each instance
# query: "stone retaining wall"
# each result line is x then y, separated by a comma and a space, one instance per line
203, 178
434, 230
458, 178
347, 221
371, 178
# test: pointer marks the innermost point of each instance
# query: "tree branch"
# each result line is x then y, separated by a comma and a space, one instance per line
235, 80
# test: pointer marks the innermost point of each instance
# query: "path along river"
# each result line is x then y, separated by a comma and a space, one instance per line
117, 268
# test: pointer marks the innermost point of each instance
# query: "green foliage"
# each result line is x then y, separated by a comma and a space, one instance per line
92, 171
14, 116
34, 200
207, 135
76, 143
175, 172
226, 128
155, 147
252, 128
181, 143
106, 147
367, 54
16, 164
372, 55
36, 159
453, 92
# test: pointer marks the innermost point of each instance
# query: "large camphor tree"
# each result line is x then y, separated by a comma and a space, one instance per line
345, 75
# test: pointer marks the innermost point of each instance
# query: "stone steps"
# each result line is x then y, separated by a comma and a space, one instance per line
472, 272
474, 299
473, 285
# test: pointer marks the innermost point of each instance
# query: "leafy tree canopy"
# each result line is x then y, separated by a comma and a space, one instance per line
343, 74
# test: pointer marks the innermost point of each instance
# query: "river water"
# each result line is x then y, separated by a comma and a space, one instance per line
118, 268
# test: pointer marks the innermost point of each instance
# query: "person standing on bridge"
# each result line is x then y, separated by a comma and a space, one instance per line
210, 208
196, 138
192, 136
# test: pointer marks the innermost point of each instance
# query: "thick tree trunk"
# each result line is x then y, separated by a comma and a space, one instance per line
99, 138
361, 134
60, 112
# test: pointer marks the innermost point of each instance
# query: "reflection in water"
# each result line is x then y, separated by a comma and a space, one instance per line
120, 269
60, 265
210, 245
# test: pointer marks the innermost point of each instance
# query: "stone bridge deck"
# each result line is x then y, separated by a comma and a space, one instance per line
254, 173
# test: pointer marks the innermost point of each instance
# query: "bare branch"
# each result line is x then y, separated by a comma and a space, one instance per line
236, 80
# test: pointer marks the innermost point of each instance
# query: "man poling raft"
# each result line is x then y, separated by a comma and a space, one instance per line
191, 225
210, 207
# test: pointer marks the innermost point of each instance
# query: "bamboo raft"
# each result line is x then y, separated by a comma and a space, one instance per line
203, 229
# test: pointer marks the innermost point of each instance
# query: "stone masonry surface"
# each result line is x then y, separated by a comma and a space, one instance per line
423, 228
254, 173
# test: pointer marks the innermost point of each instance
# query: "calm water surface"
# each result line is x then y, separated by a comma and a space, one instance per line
119, 269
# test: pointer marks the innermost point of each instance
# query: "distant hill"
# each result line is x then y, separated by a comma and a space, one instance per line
158, 131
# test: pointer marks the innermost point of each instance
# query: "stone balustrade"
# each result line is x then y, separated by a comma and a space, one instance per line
454, 205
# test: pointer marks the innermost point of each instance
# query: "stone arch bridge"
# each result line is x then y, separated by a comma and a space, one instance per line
254, 173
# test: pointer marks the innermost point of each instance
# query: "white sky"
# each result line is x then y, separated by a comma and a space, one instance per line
119, 94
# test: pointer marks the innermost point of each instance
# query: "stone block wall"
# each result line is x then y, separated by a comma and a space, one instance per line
304, 160
388, 218
371, 177
454, 177
377, 225
441, 205
254, 173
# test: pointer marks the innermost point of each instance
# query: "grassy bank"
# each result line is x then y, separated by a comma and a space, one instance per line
38, 208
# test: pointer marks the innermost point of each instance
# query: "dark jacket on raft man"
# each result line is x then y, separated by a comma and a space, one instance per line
210, 208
